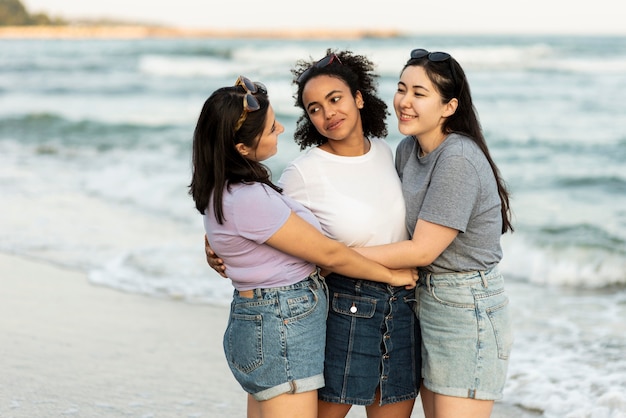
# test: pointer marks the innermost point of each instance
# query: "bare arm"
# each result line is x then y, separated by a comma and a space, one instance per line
428, 242
298, 238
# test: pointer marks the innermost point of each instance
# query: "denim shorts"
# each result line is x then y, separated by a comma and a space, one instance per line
274, 341
372, 340
466, 333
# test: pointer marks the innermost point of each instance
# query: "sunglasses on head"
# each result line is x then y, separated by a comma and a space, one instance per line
432, 56
324, 62
436, 56
250, 103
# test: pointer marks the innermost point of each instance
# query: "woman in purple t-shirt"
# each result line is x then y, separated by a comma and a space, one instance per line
274, 341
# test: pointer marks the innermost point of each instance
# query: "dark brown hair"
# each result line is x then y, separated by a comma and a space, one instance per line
216, 161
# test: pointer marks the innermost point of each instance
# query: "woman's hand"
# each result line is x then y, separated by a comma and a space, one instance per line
214, 261
404, 277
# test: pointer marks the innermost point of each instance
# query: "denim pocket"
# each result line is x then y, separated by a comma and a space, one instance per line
243, 342
453, 296
501, 323
360, 307
302, 305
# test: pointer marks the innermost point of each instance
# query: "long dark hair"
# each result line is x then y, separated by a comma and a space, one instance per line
357, 72
450, 81
216, 161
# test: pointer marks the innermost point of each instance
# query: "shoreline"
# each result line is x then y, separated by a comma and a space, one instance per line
82, 31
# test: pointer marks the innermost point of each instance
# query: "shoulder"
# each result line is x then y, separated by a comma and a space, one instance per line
462, 155
460, 146
252, 192
380, 146
407, 142
378, 142
406, 147
307, 157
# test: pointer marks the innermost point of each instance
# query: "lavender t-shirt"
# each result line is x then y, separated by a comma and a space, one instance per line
253, 213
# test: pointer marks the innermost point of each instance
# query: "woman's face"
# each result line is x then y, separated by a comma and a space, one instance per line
418, 104
332, 109
267, 143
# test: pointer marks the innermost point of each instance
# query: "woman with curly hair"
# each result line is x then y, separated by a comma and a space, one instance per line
347, 178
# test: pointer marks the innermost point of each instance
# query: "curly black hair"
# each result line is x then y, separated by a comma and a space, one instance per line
357, 71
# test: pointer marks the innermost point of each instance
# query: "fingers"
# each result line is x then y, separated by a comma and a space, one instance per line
415, 277
207, 247
213, 260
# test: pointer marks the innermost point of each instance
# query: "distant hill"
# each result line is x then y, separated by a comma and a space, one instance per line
13, 13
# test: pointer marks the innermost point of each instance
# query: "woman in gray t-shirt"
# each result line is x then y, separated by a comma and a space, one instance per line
457, 209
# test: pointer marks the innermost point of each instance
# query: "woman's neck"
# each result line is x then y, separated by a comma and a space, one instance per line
347, 148
429, 144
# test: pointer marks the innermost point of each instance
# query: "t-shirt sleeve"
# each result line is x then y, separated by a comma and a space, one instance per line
452, 194
292, 183
259, 213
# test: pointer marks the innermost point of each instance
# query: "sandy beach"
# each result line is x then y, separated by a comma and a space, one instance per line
70, 348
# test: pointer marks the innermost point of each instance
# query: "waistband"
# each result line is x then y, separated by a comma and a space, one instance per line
461, 278
385, 287
258, 293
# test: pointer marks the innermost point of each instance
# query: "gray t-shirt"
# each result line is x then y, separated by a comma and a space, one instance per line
453, 186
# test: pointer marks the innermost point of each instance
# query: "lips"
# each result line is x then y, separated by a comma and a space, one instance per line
405, 117
334, 125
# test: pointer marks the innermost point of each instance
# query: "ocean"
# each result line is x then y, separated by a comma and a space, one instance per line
95, 160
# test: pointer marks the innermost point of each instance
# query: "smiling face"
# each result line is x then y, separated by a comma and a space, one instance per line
267, 144
418, 105
332, 109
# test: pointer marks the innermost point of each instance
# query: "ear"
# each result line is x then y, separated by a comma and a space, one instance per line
358, 98
450, 107
242, 149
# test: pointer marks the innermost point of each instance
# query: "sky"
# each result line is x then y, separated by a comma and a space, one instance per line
593, 17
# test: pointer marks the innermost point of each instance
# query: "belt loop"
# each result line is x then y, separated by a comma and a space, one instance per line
484, 279
315, 278
428, 277
258, 294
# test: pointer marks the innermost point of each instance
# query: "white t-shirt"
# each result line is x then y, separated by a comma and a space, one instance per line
357, 200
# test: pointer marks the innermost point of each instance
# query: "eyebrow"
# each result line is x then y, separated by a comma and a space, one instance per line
330, 93
416, 86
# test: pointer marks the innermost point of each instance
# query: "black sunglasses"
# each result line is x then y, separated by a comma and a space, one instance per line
324, 62
250, 103
436, 56
432, 56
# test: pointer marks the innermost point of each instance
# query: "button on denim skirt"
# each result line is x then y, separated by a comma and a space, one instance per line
372, 341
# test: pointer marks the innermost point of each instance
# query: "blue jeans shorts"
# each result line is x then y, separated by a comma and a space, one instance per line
372, 340
274, 341
466, 333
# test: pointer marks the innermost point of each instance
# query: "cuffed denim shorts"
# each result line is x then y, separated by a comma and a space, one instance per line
466, 333
274, 342
372, 340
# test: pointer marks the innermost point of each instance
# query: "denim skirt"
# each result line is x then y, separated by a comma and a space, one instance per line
466, 333
274, 341
372, 340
